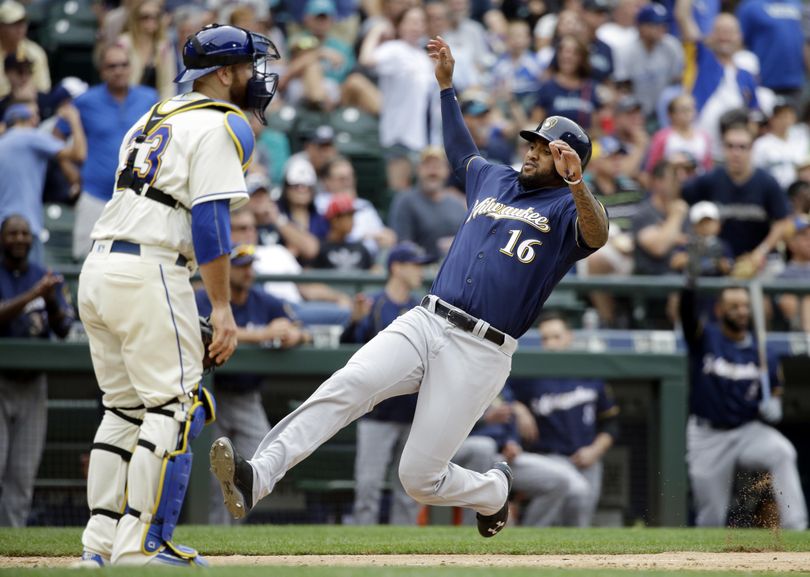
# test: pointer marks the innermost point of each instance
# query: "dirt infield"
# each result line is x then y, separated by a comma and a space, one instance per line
774, 561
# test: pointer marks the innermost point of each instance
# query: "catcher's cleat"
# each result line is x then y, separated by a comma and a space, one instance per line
91, 560
171, 558
235, 476
491, 525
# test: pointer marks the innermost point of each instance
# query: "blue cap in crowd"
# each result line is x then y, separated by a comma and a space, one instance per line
321, 7
409, 252
474, 107
652, 14
17, 112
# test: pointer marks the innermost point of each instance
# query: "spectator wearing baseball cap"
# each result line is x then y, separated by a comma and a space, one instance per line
337, 251
13, 30
339, 178
653, 61
318, 149
24, 155
18, 71
706, 254
298, 209
319, 20
489, 133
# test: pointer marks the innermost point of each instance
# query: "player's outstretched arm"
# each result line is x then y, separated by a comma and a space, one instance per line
458, 143
593, 222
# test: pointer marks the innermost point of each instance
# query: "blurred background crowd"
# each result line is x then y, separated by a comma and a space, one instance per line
698, 112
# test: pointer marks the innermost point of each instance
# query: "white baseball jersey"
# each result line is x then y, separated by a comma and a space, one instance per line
193, 156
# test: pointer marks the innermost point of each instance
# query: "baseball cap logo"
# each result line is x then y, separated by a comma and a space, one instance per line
550, 123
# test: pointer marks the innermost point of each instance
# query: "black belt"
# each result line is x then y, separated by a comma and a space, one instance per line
134, 248
463, 321
702, 422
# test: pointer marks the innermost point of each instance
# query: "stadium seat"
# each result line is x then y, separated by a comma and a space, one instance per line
59, 221
68, 34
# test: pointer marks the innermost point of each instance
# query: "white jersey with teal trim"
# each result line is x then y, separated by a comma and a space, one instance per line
194, 156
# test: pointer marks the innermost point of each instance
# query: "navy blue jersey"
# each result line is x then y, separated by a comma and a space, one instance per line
580, 104
33, 323
726, 387
567, 411
512, 249
259, 310
383, 312
747, 209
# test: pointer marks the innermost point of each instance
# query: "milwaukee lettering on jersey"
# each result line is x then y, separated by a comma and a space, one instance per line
551, 402
733, 371
497, 210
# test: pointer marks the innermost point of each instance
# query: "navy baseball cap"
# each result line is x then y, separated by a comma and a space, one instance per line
243, 254
409, 252
17, 112
652, 14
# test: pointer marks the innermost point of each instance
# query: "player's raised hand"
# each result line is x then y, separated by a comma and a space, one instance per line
224, 342
566, 161
439, 52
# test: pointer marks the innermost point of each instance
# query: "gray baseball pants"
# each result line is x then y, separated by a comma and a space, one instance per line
457, 375
714, 455
241, 418
23, 425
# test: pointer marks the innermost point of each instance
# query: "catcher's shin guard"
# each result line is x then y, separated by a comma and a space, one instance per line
107, 476
157, 509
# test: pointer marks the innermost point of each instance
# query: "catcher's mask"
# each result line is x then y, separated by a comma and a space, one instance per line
216, 46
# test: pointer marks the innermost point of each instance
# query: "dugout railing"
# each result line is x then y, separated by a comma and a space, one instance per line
663, 375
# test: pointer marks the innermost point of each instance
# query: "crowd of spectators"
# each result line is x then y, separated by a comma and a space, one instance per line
695, 102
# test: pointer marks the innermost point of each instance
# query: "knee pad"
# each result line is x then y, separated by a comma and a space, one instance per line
175, 470
110, 454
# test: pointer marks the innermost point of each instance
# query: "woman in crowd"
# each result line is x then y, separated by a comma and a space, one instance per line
682, 135
569, 91
151, 59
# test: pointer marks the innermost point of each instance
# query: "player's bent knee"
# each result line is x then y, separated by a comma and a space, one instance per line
579, 489
419, 484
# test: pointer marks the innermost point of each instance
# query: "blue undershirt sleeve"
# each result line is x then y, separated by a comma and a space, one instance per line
458, 143
211, 229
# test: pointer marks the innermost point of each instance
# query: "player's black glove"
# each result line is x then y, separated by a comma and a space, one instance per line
207, 335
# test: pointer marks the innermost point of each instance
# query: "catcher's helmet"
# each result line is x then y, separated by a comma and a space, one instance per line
561, 128
216, 46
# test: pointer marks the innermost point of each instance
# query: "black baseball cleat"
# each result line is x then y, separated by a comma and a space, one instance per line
235, 476
491, 525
